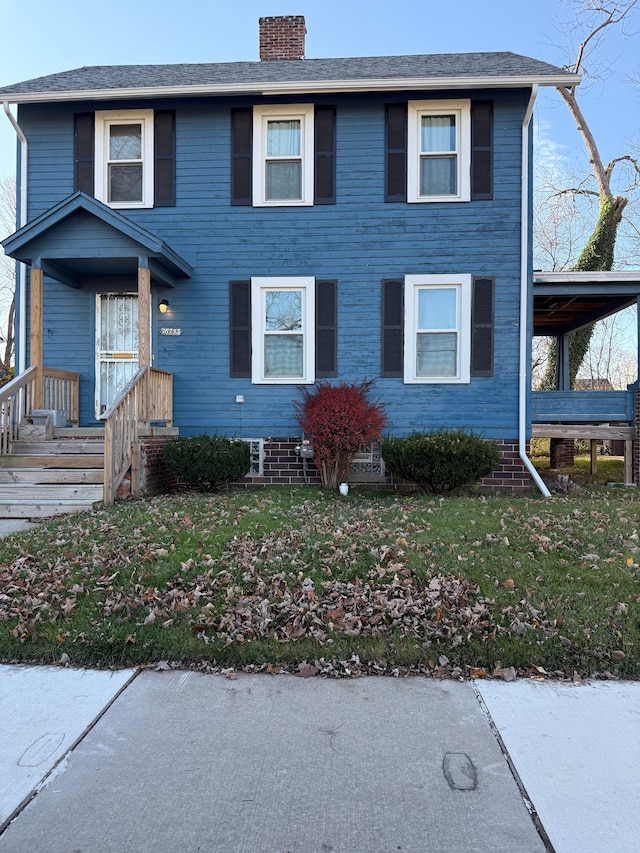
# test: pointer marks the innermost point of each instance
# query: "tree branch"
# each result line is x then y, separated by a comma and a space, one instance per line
600, 173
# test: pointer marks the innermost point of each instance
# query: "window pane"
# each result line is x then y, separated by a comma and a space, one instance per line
438, 133
283, 138
125, 142
283, 309
283, 355
284, 180
437, 308
125, 183
438, 176
436, 355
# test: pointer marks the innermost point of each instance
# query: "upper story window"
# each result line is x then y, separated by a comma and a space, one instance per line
439, 151
437, 328
124, 158
283, 153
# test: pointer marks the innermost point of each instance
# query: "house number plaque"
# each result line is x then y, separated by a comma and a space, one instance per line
171, 330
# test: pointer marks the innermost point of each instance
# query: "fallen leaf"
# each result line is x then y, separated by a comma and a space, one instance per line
478, 673
305, 670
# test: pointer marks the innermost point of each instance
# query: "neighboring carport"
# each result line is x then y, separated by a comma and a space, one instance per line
564, 302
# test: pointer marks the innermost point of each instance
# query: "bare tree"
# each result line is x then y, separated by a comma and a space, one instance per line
592, 20
7, 277
609, 362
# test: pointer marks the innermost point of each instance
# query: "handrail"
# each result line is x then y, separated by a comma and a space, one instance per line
146, 398
15, 402
60, 391
50, 388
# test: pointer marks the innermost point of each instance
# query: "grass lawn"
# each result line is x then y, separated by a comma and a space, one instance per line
374, 581
610, 469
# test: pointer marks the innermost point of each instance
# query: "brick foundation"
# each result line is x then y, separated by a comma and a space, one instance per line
561, 452
283, 467
511, 473
155, 478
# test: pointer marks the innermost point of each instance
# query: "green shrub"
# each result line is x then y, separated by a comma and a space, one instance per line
208, 462
440, 461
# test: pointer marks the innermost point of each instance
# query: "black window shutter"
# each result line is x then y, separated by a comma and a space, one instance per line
241, 133
326, 329
482, 324
392, 328
240, 329
164, 173
83, 137
395, 185
481, 150
325, 155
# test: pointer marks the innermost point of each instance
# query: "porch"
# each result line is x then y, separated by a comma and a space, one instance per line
564, 303
49, 464
81, 243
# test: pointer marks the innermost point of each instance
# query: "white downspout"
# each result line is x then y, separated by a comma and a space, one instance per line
21, 355
524, 301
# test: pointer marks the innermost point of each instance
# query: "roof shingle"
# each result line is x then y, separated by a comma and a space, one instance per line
240, 76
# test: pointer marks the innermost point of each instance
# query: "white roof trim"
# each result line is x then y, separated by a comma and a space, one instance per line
568, 277
298, 86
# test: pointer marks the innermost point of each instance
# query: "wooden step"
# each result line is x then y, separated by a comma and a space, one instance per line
51, 475
41, 509
86, 461
38, 493
59, 447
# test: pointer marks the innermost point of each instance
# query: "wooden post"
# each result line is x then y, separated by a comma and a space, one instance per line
144, 317
36, 293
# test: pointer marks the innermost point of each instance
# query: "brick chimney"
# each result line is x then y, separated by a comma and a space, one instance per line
282, 37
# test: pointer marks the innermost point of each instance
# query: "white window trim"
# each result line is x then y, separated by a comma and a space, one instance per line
462, 284
261, 116
462, 110
259, 285
104, 119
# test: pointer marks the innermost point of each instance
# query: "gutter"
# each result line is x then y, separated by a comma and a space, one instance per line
293, 87
21, 355
525, 273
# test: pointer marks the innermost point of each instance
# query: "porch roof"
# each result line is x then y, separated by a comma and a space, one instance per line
81, 238
566, 301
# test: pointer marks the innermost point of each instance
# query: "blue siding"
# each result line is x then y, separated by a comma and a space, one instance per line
359, 241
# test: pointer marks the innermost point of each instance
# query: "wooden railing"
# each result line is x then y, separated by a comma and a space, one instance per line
54, 389
15, 402
145, 400
60, 391
582, 406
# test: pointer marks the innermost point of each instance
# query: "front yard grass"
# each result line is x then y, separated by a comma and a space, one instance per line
461, 585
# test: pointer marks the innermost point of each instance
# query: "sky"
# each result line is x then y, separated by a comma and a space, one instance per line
58, 35
42, 37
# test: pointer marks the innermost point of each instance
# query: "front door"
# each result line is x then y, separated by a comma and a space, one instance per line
116, 346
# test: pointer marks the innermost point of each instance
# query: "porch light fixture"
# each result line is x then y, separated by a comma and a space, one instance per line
163, 306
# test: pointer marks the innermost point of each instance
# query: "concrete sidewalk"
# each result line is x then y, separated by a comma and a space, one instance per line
268, 764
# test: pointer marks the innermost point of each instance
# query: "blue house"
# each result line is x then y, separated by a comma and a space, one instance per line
196, 242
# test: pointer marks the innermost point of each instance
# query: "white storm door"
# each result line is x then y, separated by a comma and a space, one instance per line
116, 346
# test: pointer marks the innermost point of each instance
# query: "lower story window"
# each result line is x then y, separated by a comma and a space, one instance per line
282, 323
437, 328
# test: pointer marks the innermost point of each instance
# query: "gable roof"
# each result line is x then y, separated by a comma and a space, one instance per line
435, 71
36, 243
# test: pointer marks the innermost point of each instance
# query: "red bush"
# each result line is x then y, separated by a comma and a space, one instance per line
339, 420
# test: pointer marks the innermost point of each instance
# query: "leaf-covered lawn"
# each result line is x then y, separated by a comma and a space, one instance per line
380, 582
